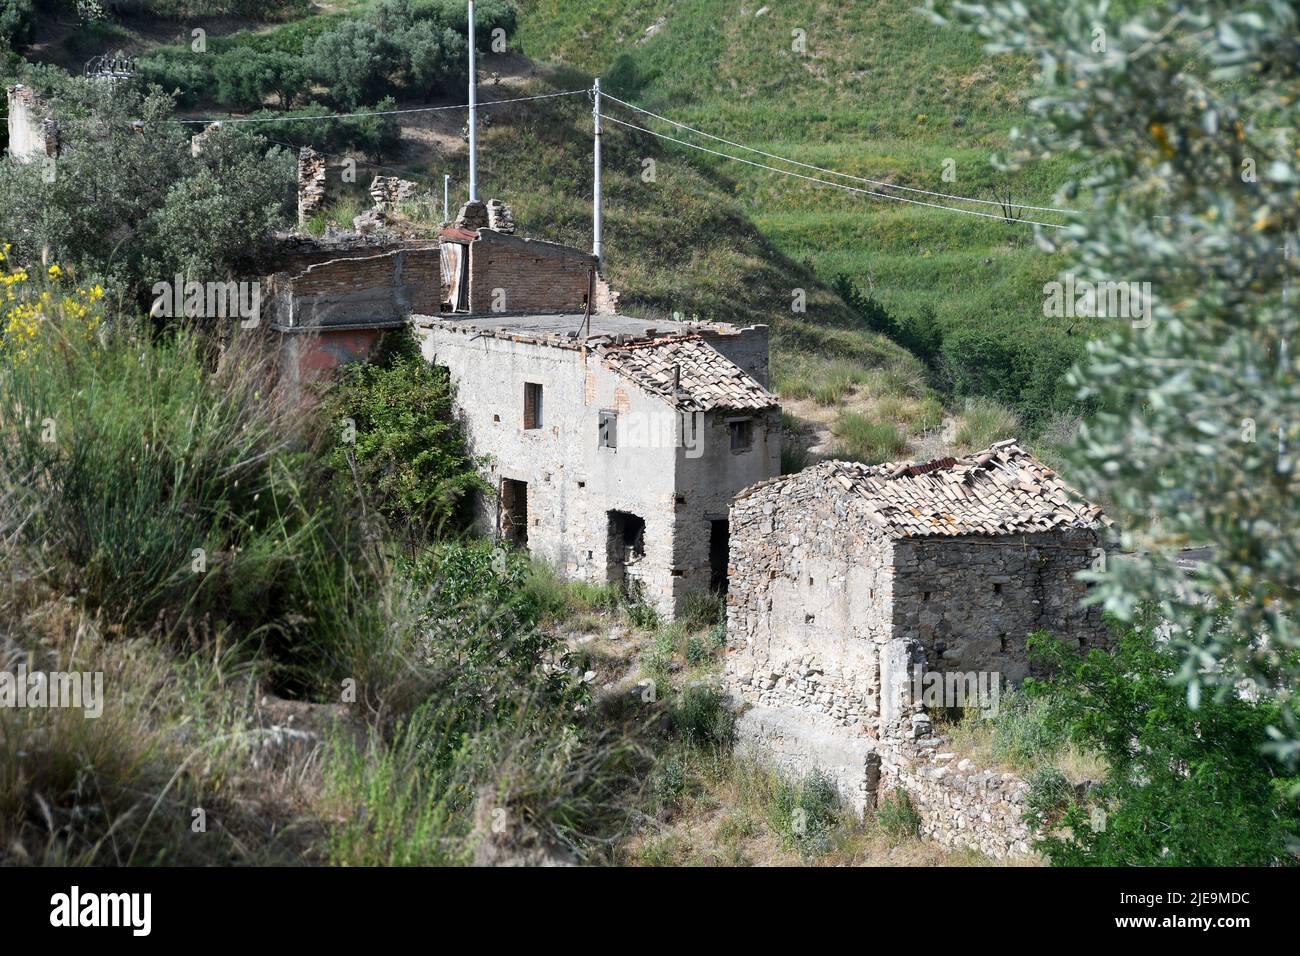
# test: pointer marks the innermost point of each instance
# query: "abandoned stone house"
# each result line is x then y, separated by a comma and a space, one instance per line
848, 582
616, 444
33, 131
613, 444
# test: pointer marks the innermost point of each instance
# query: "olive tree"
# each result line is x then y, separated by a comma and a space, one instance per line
1183, 117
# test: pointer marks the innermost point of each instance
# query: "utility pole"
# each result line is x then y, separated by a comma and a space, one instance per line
1282, 349
473, 110
446, 196
597, 226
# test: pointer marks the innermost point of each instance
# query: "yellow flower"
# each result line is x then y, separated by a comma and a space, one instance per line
55, 271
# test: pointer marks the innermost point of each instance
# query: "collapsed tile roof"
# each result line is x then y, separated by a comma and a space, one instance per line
1000, 490
688, 373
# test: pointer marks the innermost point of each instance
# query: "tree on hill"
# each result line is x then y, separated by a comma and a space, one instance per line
126, 197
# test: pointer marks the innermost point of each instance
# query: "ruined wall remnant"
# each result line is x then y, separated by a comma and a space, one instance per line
473, 216
33, 131
512, 274
198, 139
311, 183
388, 191
501, 218
961, 804
375, 290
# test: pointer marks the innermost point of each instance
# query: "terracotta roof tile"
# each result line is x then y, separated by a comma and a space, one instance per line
689, 373
1001, 490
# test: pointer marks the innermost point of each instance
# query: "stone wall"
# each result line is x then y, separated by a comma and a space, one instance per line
311, 183
808, 622
827, 617
960, 805
969, 602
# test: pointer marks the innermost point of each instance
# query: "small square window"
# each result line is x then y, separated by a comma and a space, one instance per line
608, 429
532, 405
742, 434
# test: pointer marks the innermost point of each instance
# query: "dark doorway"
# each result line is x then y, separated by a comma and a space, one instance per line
719, 554
626, 544
514, 512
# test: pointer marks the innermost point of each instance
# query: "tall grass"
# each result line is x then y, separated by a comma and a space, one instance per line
866, 440
985, 421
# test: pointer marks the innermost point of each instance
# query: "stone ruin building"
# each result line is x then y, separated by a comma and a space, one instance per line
848, 582
614, 444
33, 130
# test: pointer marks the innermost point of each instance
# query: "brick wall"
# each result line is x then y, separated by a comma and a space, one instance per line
367, 290
531, 276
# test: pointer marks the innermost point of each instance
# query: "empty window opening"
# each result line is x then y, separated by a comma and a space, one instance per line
496, 418
677, 572
582, 484
997, 589
719, 554
742, 434
607, 429
532, 405
625, 544
1002, 639
925, 595
679, 499
514, 512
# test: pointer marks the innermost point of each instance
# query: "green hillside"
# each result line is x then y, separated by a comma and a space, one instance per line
879, 93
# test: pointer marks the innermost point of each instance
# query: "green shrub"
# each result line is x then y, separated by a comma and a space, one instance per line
668, 782
897, 817
868, 441
1023, 731
1185, 785
702, 609
805, 813
17, 21
397, 440
474, 601
700, 715
1050, 792
794, 458
986, 421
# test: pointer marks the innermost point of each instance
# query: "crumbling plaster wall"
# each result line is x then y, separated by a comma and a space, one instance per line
29, 136
573, 482
808, 620
707, 483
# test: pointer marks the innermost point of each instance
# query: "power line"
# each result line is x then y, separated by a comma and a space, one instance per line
338, 116
832, 172
827, 182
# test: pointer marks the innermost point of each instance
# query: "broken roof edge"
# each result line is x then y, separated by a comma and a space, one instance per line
902, 500
498, 325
